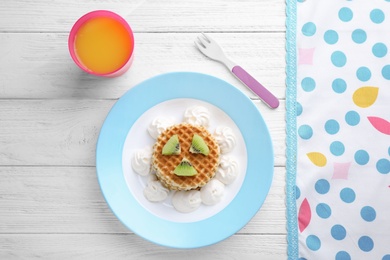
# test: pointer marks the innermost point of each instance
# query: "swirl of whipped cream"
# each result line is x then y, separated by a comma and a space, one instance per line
212, 192
227, 171
197, 115
155, 191
225, 138
158, 125
141, 161
186, 201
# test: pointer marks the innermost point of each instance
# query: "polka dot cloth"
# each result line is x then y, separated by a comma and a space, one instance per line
342, 190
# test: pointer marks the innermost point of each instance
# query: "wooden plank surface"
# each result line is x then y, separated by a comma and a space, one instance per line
129, 246
51, 206
38, 65
147, 15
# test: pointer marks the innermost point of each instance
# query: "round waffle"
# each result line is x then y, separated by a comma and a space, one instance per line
164, 165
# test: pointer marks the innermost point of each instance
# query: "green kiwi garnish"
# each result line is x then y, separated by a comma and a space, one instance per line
198, 145
185, 168
172, 146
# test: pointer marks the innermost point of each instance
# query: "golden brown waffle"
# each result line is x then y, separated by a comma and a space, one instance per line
164, 165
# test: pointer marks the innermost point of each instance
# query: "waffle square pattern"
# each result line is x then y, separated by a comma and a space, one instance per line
164, 165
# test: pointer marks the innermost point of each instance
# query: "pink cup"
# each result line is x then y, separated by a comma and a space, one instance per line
100, 14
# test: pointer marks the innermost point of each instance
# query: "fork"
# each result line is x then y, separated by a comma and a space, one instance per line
211, 49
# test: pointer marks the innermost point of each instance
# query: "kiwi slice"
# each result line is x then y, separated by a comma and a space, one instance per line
185, 168
172, 146
198, 145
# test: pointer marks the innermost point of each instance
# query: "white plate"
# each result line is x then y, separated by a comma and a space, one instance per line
138, 138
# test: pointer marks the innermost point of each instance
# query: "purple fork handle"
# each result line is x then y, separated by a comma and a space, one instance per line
256, 87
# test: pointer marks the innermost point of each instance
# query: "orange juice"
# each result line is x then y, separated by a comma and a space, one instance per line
103, 45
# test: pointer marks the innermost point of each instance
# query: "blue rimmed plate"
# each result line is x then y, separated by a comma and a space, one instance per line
124, 131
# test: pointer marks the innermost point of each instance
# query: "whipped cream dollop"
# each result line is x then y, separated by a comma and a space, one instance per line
141, 161
225, 138
186, 201
212, 192
197, 115
228, 170
158, 125
152, 176
155, 191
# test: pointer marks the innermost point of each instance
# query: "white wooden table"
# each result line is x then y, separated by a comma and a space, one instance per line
51, 205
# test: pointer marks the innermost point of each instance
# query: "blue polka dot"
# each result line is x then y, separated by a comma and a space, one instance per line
362, 157
359, 36
339, 85
377, 16
337, 148
345, 14
389, 146
309, 29
297, 192
386, 72
368, 213
323, 210
332, 126
386, 257
342, 255
299, 109
347, 195
331, 37
313, 242
363, 73
322, 186
301, 1
308, 84
365, 243
352, 118
338, 59
383, 166
338, 232
305, 132
379, 50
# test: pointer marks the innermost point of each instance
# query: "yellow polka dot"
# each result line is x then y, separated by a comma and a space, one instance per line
365, 96
317, 158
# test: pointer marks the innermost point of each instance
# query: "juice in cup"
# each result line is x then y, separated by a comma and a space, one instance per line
102, 43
